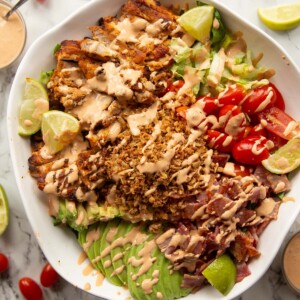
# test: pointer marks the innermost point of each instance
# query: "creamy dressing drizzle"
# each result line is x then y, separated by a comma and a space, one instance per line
142, 119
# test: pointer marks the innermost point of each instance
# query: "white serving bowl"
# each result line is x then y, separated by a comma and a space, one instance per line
59, 244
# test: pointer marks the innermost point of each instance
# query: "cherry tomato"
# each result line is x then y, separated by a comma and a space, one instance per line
277, 140
251, 150
279, 99
220, 141
181, 111
3, 262
276, 121
232, 95
175, 86
30, 289
210, 105
232, 120
259, 100
48, 276
257, 130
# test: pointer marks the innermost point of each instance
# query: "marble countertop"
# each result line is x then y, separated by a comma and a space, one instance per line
19, 242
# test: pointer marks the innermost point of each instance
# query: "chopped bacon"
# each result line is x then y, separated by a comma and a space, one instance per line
192, 281
242, 271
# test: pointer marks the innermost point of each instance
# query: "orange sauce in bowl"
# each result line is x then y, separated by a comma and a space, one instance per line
12, 36
291, 262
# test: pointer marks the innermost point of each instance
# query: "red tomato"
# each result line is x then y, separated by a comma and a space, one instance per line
30, 289
277, 122
48, 276
232, 95
175, 86
181, 111
234, 169
277, 140
279, 99
257, 130
210, 105
220, 141
3, 262
259, 100
234, 127
251, 150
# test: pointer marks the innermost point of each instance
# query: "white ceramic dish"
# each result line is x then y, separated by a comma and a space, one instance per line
59, 244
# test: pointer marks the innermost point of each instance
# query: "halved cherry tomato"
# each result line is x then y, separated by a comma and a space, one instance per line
233, 95
232, 120
277, 121
220, 141
181, 111
279, 103
259, 100
251, 150
48, 276
4, 263
257, 130
210, 105
30, 289
175, 86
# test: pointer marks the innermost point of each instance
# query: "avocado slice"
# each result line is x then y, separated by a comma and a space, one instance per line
95, 254
144, 286
107, 238
125, 229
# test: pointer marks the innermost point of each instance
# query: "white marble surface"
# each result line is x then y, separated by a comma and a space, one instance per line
19, 243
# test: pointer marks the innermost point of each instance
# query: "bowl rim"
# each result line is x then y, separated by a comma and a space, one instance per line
89, 5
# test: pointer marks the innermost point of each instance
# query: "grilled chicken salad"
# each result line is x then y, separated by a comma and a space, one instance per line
153, 145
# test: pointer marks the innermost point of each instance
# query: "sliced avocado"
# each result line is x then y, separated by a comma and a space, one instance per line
95, 256
108, 237
124, 230
168, 285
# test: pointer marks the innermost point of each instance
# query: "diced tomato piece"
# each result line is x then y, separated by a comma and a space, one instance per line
210, 105
259, 100
220, 141
279, 103
175, 86
181, 111
233, 95
251, 150
233, 121
280, 123
234, 169
277, 140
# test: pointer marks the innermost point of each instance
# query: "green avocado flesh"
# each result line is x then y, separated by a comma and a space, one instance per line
127, 255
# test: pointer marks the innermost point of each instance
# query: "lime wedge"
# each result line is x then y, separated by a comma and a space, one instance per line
198, 22
35, 103
4, 210
221, 274
285, 159
281, 17
59, 129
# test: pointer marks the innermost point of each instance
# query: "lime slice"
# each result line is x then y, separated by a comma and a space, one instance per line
35, 103
4, 210
281, 17
198, 22
59, 129
285, 159
221, 274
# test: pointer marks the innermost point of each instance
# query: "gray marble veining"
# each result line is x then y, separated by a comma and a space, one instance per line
19, 243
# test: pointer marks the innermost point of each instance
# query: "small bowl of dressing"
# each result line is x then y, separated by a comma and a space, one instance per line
12, 35
291, 262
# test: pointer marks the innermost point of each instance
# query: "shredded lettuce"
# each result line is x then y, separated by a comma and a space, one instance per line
45, 77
